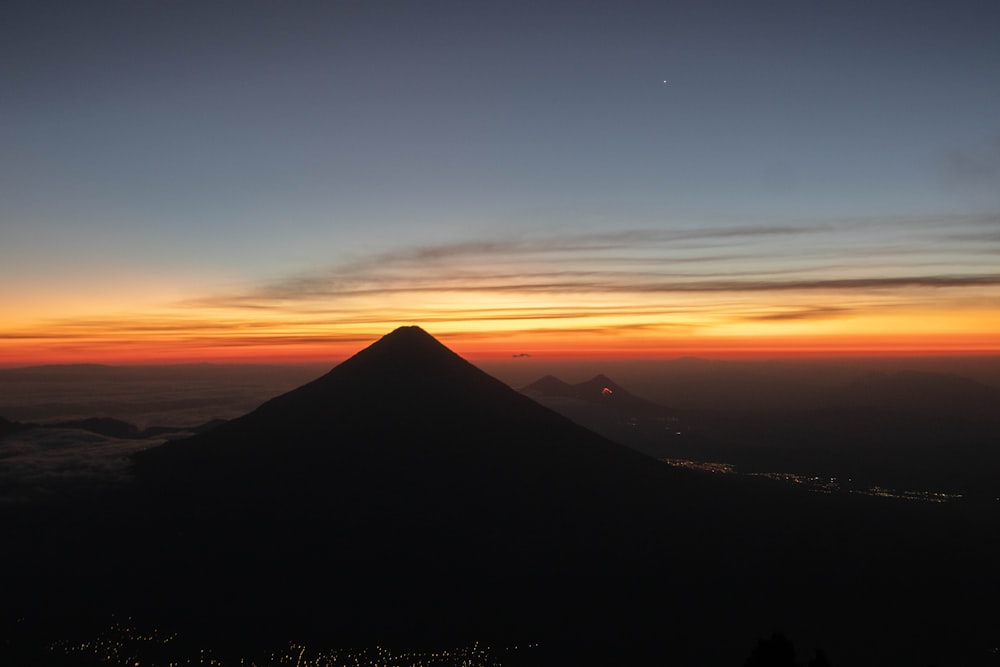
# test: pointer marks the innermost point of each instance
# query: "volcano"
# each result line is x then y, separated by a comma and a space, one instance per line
409, 433
409, 412
404, 474
600, 392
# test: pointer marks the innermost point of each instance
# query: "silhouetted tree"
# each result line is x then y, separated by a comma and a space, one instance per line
819, 660
776, 651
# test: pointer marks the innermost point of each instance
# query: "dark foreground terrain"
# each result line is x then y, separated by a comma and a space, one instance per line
408, 500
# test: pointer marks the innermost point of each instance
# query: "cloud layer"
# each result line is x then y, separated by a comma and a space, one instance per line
748, 280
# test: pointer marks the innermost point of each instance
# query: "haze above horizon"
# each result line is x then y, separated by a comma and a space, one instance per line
287, 182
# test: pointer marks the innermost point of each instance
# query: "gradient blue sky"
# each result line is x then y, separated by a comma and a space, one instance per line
160, 156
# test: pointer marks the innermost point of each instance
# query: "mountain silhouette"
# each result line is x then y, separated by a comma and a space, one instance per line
924, 393
549, 385
599, 390
8, 427
412, 414
406, 473
603, 406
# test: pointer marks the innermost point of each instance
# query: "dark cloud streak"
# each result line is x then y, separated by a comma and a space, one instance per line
797, 315
620, 284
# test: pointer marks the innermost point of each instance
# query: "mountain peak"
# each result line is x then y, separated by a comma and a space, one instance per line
412, 338
410, 332
549, 386
600, 385
601, 379
406, 355
407, 340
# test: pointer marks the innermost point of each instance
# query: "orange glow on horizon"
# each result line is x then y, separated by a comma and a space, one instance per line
485, 327
494, 346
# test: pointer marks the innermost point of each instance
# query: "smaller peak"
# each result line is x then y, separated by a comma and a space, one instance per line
549, 385
602, 385
601, 381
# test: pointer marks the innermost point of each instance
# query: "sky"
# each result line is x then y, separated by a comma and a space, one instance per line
245, 180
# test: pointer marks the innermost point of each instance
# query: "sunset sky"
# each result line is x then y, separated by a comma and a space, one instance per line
242, 180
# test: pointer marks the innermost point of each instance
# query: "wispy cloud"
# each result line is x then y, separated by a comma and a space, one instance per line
643, 262
448, 265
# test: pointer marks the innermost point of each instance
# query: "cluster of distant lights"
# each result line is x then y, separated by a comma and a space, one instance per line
126, 646
817, 484
119, 644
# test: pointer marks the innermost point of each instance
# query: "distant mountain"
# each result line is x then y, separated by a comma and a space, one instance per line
599, 390
107, 426
772, 385
117, 428
549, 386
48, 368
602, 405
8, 427
114, 428
923, 392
